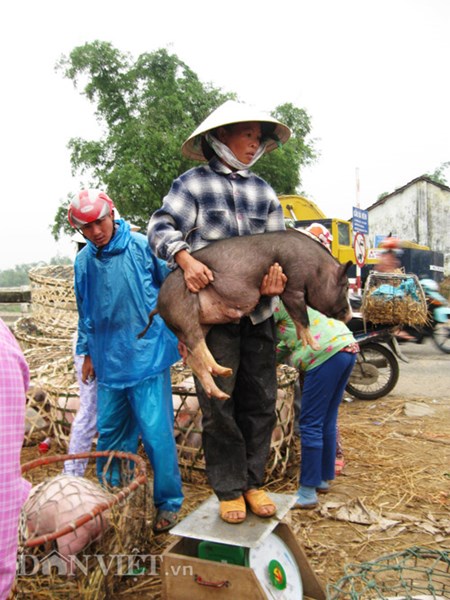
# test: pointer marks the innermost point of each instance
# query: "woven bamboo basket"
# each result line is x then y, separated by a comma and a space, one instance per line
413, 573
46, 338
44, 573
36, 334
54, 316
394, 299
38, 423
53, 394
54, 397
188, 429
52, 294
57, 380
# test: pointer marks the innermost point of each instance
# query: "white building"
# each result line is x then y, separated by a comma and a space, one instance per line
418, 212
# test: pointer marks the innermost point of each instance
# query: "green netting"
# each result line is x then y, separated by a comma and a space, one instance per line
412, 573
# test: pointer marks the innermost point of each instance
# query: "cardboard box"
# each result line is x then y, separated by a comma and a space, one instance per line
187, 577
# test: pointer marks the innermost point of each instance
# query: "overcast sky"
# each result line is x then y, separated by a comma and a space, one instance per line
373, 75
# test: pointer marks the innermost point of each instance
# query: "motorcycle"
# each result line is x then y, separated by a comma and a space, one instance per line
438, 322
376, 370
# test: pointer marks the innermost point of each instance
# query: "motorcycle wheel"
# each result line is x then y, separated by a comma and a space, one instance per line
441, 336
375, 375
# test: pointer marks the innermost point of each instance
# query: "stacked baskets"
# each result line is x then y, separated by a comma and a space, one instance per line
46, 338
53, 317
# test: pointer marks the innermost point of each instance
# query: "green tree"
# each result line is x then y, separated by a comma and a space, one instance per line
282, 168
439, 174
60, 260
18, 275
147, 108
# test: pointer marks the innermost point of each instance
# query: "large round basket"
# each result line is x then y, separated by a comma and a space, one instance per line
53, 395
45, 572
52, 295
54, 316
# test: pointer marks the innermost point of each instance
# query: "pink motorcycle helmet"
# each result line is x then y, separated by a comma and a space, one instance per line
88, 206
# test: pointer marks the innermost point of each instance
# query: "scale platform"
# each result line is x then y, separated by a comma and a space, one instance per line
259, 558
205, 523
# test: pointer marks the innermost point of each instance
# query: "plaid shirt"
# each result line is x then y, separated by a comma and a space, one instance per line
209, 203
14, 379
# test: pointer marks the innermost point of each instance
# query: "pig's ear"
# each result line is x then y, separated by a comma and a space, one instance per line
342, 278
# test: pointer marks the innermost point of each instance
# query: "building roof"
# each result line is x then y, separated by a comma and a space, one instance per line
403, 188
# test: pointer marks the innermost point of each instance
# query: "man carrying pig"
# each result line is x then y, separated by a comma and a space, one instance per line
223, 199
117, 279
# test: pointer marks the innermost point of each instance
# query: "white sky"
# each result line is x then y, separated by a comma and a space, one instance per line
373, 75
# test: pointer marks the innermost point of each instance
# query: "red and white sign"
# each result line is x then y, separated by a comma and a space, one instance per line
359, 246
373, 254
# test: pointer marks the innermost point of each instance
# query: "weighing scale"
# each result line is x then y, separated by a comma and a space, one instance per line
253, 544
276, 569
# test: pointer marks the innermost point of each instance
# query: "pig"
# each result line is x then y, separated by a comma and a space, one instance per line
33, 421
188, 418
67, 409
185, 410
58, 502
314, 278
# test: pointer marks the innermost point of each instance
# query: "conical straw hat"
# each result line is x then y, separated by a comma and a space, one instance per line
233, 112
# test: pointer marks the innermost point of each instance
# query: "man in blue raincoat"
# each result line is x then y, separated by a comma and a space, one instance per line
117, 280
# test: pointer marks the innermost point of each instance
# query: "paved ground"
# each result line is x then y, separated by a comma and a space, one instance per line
427, 374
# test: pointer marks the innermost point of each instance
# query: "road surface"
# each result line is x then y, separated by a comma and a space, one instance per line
427, 374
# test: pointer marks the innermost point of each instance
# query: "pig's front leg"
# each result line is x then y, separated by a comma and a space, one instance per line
304, 334
295, 304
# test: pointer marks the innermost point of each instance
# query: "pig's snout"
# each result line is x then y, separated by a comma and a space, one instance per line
344, 313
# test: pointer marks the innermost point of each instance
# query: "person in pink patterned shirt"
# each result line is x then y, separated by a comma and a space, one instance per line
14, 380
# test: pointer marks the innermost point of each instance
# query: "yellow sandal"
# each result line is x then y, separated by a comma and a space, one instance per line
235, 505
257, 500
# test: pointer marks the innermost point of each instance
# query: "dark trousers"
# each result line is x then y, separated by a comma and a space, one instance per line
237, 432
